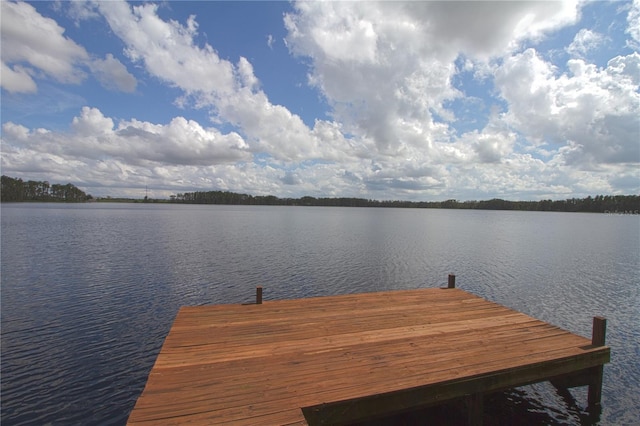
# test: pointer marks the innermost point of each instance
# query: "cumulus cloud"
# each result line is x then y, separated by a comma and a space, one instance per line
246, 75
593, 111
500, 29
584, 41
106, 157
91, 122
491, 147
230, 91
369, 65
389, 72
387, 68
633, 29
93, 136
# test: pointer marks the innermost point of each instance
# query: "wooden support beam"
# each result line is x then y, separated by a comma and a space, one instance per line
591, 376
595, 387
573, 380
452, 281
475, 409
259, 295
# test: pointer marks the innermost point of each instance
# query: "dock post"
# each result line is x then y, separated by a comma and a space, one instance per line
599, 332
259, 295
598, 336
452, 281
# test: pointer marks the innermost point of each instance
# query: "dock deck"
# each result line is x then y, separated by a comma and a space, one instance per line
340, 359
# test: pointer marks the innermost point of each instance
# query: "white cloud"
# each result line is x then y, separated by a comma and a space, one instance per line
17, 79
168, 51
583, 42
370, 65
246, 75
346, 37
77, 10
491, 148
91, 122
95, 137
633, 19
112, 74
231, 92
35, 44
387, 70
486, 29
595, 111
625, 68
440, 29
15, 132
384, 68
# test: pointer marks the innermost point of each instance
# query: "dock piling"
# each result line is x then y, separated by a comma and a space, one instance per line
452, 281
592, 376
475, 409
599, 331
259, 295
598, 336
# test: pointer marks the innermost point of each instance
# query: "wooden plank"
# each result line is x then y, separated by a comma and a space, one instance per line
300, 367
350, 354
261, 346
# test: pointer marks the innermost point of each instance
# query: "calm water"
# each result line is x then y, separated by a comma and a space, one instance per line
90, 291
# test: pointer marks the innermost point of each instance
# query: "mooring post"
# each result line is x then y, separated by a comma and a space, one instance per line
452, 281
599, 332
259, 295
598, 336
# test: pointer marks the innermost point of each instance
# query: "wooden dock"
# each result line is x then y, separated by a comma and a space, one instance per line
341, 359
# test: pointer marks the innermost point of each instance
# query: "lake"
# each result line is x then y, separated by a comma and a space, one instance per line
89, 291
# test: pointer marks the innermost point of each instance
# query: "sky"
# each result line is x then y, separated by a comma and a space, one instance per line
420, 100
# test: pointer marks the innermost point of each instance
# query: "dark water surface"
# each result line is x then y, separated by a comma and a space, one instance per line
90, 291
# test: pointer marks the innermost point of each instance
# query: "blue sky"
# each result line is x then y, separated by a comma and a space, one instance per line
380, 100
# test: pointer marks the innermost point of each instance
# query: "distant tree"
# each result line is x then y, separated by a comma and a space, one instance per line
599, 203
11, 189
16, 190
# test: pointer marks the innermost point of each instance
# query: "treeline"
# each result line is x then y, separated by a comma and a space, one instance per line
17, 190
598, 204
